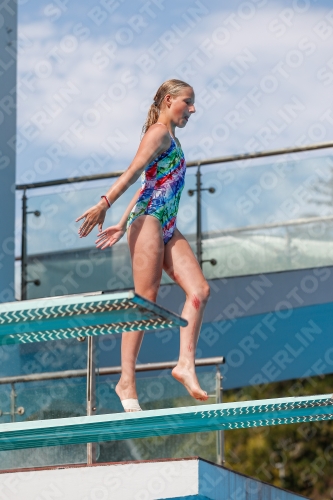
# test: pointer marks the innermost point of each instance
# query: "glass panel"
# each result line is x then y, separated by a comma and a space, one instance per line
243, 222
42, 399
86, 270
63, 262
280, 191
187, 214
270, 250
269, 195
66, 264
157, 390
56, 229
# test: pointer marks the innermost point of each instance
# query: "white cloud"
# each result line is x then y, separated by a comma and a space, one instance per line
253, 35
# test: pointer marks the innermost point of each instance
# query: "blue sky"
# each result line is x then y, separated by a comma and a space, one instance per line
87, 71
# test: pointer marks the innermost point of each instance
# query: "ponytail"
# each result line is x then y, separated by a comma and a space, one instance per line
172, 87
152, 117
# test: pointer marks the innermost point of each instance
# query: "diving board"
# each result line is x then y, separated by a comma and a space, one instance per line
184, 420
72, 316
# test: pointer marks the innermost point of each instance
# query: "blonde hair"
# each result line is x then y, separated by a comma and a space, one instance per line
172, 87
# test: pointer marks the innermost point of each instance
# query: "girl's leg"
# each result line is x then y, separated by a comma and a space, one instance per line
147, 251
182, 266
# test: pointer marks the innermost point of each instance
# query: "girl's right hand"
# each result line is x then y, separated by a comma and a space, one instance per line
110, 236
93, 216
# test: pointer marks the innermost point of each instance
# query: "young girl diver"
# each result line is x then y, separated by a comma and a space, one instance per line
155, 242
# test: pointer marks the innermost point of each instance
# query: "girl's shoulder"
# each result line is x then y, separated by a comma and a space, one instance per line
157, 132
157, 137
159, 128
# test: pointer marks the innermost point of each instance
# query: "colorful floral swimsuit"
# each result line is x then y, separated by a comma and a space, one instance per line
162, 183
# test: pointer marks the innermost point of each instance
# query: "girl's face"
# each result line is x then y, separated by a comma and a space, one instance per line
181, 107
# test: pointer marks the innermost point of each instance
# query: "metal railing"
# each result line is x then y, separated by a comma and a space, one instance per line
91, 373
273, 225
208, 161
198, 190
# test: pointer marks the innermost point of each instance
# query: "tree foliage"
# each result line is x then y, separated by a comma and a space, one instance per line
296, 457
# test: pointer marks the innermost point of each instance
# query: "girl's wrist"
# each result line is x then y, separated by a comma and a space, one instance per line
122, 226
102, 206
104, 202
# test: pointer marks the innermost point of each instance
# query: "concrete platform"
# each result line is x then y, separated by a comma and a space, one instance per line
190, 478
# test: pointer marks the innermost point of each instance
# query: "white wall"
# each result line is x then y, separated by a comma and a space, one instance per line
8, 44
182, 478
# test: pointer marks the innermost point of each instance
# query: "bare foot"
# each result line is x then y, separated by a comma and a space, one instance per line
188, 378
126, 391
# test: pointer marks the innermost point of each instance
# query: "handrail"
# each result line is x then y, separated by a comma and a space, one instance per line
208, 161
293, 222
108, 370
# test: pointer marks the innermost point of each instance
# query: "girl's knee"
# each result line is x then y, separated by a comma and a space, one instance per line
205, 291
200, 294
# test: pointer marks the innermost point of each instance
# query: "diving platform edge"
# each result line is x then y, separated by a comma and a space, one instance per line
183, 420
73, 316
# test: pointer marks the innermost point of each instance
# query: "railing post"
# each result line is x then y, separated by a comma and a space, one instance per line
24, 248
24, 280
13, 397
199, 231
91, 394
199, 189
220, 434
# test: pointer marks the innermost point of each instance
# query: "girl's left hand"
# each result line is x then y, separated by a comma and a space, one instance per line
110, 236
93, 216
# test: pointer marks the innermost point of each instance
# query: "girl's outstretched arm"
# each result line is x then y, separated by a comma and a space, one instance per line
155, 141
112, 234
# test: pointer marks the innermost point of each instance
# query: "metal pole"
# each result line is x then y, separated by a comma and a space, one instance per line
13, 396
208, 161
91, 394
199, 235
220, 434
24, 248
106, 370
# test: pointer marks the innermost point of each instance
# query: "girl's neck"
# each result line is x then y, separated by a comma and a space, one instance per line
171, 128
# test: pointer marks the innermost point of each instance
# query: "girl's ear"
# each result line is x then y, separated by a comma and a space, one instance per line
167, 100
